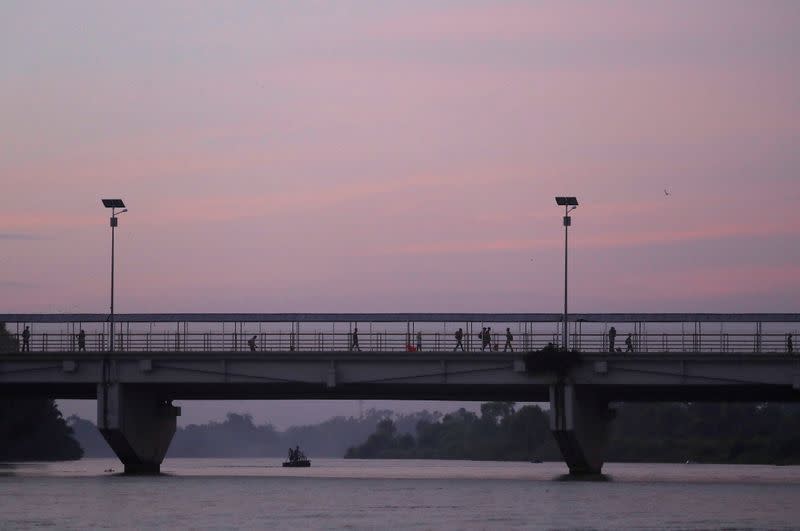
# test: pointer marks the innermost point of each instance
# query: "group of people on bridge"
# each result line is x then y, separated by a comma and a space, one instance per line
485, 336
26, 340
612, 339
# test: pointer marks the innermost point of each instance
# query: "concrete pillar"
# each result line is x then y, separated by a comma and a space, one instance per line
580, 422
137, 424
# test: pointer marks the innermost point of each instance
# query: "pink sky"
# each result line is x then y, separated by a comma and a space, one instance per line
400, 156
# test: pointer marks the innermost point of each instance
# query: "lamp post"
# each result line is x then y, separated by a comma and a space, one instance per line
569, 204
113, 204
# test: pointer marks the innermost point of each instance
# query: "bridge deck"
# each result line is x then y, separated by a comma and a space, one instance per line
649, 332
403, 375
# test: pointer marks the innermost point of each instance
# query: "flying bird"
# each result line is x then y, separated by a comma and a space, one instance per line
666, 192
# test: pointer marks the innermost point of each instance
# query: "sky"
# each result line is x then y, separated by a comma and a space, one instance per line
400, 156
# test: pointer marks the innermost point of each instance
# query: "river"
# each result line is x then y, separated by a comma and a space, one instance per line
389, 494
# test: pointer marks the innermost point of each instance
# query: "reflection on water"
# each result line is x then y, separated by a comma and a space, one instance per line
333, 493
588, 477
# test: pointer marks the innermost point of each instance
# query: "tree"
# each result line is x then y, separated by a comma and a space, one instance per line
33, 428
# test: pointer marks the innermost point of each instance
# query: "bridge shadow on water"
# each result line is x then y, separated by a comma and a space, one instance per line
601, 478
7, 469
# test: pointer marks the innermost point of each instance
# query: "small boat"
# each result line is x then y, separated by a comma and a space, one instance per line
298, 463
297, 459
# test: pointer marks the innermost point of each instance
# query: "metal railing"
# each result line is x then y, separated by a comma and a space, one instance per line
393, 332
385, 341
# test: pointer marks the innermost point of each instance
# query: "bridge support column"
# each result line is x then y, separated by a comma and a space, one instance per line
580, 422
137, 424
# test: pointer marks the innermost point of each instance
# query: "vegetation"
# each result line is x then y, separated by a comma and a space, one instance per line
718, 433
33, 429
499, 433
7, 342
710, 433
239, 436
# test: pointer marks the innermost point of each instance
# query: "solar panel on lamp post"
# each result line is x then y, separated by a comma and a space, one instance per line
113, 204
569, 204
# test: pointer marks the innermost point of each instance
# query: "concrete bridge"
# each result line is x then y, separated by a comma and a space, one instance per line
161, 358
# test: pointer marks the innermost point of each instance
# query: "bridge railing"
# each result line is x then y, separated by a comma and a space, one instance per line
686, 342
382, 341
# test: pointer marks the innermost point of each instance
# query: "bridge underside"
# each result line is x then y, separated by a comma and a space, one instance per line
465, 393
135, 390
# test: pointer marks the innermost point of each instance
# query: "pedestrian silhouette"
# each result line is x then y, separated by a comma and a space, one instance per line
487, 338
629, 343
82, 340
612, 337
459, 335
252, 343
26, 338
789, 344
419, 341
509, 339
354, 340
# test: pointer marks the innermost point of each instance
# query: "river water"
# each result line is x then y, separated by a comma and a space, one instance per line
386, 494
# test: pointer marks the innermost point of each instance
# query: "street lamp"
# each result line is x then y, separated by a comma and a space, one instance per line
569, 204
113, 204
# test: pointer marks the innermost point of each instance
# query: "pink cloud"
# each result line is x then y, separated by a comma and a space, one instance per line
593, 240
699, 282
581, 21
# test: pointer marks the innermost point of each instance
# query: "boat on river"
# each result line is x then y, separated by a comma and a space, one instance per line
297, 459
300, 463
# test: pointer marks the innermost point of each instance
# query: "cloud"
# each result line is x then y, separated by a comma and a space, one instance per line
20, 236
303, 198
14, 284
638, 238
707, 282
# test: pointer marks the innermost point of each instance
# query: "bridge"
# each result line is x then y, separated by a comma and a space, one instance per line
159, 358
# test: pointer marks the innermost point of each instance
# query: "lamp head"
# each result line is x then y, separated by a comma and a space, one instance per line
113, 203
567, 201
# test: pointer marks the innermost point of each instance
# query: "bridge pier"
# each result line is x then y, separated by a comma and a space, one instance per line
580, 422
137, 424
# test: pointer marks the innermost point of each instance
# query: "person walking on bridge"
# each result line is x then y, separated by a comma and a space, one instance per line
629, 343
26, 339
612, 338
81, 341
252, 343
419, 341
509, 339
487, 338
459, 335
354, 340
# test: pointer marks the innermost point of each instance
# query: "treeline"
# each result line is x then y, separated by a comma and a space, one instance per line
500, 432
239, 436
707, 433
698, 432
32, 429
